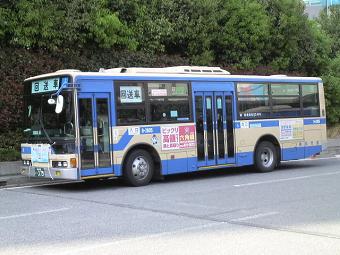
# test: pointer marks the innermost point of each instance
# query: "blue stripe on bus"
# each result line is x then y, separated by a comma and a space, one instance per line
312, 150
258, 123
98, 171
183, 165
124, 140
26, 150
150, 130
118, 169
314, 121
275, 123
271, 123
293, 153
88, 172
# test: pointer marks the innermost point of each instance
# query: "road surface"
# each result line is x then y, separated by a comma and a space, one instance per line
293, 210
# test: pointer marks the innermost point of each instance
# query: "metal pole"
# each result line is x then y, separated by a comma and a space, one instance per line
327, 8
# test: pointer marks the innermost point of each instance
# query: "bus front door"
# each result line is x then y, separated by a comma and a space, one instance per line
94, 133
214, 128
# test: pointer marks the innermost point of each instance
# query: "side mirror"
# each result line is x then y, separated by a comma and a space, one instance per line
59, 104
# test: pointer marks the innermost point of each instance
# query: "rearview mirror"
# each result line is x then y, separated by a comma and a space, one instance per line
59, 104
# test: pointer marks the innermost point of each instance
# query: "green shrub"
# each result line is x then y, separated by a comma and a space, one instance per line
9, 154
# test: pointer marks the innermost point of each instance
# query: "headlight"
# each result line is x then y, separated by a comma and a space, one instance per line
59, 164
26, 162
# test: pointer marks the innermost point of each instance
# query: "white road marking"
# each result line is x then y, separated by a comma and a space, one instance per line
285, 179
33, 213
256, 216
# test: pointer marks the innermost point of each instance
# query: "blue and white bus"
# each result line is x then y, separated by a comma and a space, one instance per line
144, 123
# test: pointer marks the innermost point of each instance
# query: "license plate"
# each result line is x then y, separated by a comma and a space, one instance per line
39, 172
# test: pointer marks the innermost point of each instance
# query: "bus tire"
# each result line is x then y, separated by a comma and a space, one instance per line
266, 158
139, 168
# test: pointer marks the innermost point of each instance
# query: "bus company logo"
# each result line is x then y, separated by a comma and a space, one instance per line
318, 121
133, 131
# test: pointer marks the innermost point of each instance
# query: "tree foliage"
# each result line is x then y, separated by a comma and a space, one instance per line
250, 36
331, 25
332, 91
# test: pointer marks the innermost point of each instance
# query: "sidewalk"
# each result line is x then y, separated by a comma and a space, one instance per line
333, 148
10, 176
10, 171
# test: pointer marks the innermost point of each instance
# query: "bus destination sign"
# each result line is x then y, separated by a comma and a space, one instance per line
42, 86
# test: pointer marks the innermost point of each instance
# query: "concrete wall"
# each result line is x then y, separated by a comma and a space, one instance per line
10, 168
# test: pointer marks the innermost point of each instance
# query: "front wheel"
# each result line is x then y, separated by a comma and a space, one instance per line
139, 168
266, 158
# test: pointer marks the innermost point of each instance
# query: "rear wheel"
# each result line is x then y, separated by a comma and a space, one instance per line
139, 168
266, 158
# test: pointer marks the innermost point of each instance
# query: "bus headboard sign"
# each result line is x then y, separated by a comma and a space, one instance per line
47, 85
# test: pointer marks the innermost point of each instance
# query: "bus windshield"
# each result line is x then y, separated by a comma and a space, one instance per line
43, 122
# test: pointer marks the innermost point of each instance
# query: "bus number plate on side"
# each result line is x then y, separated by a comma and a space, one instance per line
39, 172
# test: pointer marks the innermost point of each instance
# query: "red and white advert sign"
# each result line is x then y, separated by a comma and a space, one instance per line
180, 137
187, 137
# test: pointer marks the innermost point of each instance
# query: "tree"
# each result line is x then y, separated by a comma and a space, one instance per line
242, 37
332, 91
330, 24
296, 44
66, 25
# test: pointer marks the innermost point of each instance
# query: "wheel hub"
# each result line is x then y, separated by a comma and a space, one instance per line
267, 157
140, 168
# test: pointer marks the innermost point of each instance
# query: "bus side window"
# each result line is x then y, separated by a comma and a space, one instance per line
130, 103
310, 100
169, 102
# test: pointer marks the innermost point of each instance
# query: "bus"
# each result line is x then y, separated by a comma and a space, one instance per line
145, 123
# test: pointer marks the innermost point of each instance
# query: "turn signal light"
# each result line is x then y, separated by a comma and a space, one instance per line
73, 162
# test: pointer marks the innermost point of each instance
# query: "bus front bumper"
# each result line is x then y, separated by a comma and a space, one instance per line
51, 173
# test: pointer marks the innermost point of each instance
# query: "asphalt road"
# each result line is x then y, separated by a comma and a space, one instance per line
294, 210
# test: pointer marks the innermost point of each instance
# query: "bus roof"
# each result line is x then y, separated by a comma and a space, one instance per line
173, 73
